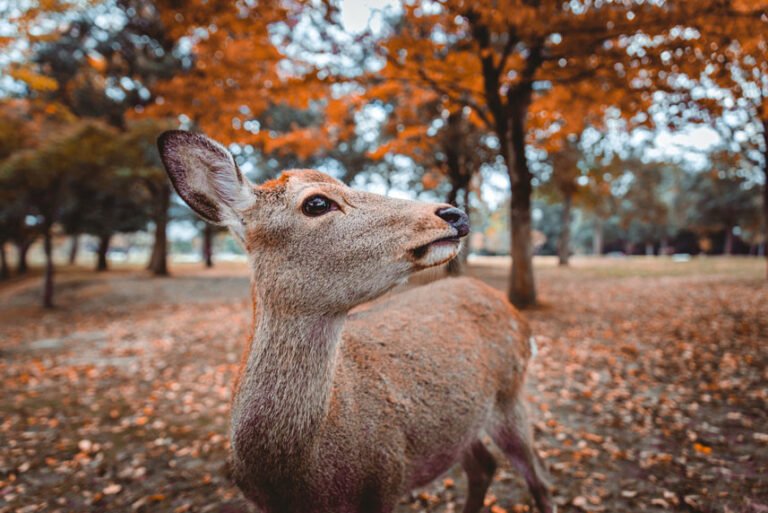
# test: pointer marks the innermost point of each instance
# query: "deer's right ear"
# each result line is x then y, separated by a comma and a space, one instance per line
206, 176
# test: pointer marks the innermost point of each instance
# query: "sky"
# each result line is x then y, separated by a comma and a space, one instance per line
356, 14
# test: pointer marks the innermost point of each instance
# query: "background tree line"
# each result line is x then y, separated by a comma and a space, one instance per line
563, 98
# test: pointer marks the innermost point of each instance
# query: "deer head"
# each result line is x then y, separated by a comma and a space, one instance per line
314, 244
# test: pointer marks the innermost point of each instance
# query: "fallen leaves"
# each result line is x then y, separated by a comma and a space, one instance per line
121, 408
640, 400
112, 489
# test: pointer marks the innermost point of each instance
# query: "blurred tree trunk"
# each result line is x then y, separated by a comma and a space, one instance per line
765, 194
509, 116
564, 243
459, 171
21, 255
73, 247
208, 245
467, 247
101, 261
458, 265
452, 194
158, 262
48, 278
664, 248
597, 237
455, 266
5, 272
522, 289
648, 249
728, 245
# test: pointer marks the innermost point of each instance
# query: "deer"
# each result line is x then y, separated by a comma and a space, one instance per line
346, 402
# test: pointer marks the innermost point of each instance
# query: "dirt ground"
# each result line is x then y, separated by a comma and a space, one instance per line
650, 390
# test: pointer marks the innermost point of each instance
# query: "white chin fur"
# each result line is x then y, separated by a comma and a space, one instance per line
439, 254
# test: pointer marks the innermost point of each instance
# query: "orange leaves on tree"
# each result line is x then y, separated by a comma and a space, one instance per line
35, 81
431, 180
302, 142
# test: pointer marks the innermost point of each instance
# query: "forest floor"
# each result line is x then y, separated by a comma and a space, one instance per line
649, 392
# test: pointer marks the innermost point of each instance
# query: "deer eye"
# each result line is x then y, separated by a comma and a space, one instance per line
317, 205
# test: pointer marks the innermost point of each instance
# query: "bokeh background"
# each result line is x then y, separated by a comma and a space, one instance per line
612, 154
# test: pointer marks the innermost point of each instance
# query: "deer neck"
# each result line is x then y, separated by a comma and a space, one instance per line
285, 388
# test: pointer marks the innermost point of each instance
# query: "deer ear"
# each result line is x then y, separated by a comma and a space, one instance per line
206, 176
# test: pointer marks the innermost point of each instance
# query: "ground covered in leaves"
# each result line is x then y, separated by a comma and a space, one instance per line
650, 390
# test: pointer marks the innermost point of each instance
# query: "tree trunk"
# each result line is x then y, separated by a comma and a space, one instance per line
467, 247
5, 272
522, 289
522, 292
597, 237
728, 245
664, 248
208, 245
102, 263
456, 266
765, 193
564, 243
158, 262
21, 251
48, 279
452, 194
509, 122
649, 249
74, 243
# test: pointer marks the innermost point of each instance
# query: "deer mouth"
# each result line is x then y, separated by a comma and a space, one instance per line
437, 252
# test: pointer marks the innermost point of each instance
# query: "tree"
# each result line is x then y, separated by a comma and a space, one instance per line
125, 58
644, 214
722, 199
208, 233
13, 226
106, 202
14, 135
94, 67
138, 158
465, 151
742, 68
444, 145
24, 172
598, 197
717, 73
45, 174
562, 133
250, 83
563, 185
497, 58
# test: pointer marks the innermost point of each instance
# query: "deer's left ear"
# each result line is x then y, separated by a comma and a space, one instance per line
205, 175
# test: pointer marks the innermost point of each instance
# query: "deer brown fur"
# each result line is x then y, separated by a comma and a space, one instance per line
346, 412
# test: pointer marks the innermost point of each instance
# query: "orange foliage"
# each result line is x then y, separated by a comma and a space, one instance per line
239, 74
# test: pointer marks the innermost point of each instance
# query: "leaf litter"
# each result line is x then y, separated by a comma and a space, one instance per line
649, 394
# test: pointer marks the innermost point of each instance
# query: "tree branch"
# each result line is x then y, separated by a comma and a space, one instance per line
462, 96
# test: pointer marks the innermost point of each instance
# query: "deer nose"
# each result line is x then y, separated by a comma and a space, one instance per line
456, 218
